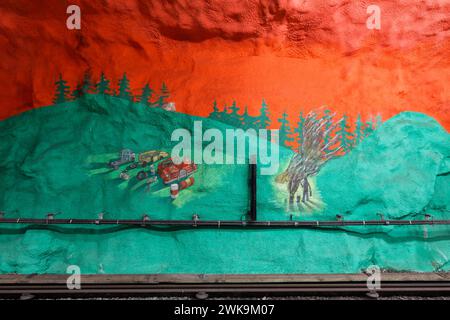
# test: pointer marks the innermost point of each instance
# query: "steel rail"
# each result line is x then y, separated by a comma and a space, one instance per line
226, 285
236, 289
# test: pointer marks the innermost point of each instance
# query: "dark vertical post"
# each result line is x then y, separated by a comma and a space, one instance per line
252, 212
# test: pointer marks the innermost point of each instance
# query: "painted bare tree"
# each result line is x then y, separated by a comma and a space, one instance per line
315, 150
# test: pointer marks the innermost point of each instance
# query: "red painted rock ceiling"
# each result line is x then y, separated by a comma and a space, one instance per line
298, 55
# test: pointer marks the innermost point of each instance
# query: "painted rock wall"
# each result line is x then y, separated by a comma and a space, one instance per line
295, 54
397, 171
67, 173
362, 114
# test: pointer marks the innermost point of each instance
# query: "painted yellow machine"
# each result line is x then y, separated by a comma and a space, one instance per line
151, 156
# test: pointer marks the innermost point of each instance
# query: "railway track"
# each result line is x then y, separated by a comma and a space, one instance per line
253, 286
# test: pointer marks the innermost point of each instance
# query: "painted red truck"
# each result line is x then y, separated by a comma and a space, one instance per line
169, 171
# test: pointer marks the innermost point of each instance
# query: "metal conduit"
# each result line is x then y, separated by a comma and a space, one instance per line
251, 222
222, 223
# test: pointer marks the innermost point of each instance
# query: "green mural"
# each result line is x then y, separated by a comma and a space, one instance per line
110, 153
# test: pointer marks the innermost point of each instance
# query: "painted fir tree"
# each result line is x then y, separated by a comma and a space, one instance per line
84, 87
299, 129
87, 85
234, 118
345, 135
359, 130
163, 96
78, 91
215, 114
62, 90
102, 86
369, 127
263, 120
378, 121
225, 109
165, 90
285, 130
224, 115
234, 108
146, 95
124, 88
248, 122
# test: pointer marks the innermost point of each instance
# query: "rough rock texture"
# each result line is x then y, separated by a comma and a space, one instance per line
295, 54
54, 159
401, 169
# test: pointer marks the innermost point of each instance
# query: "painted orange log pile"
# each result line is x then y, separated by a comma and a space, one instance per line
297, 55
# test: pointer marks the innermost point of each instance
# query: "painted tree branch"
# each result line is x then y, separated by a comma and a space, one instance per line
312, 154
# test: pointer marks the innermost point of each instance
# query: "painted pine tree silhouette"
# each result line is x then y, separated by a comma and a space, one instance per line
231, 115
158, 103
285, 134
164, 90
124, 88
248, 122
378, 121
146, 95
369, 127
234, 118
299, 129
215, 114
223, 115
87, 83
77, 92
163, 96
102, 86
263, 120
84, 87
359, 130
346, 136
225, 109
234, 108
62, 90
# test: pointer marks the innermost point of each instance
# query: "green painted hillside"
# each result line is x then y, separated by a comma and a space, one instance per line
54, 159
402, 170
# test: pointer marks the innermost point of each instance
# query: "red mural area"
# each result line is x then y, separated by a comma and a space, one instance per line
297, 55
